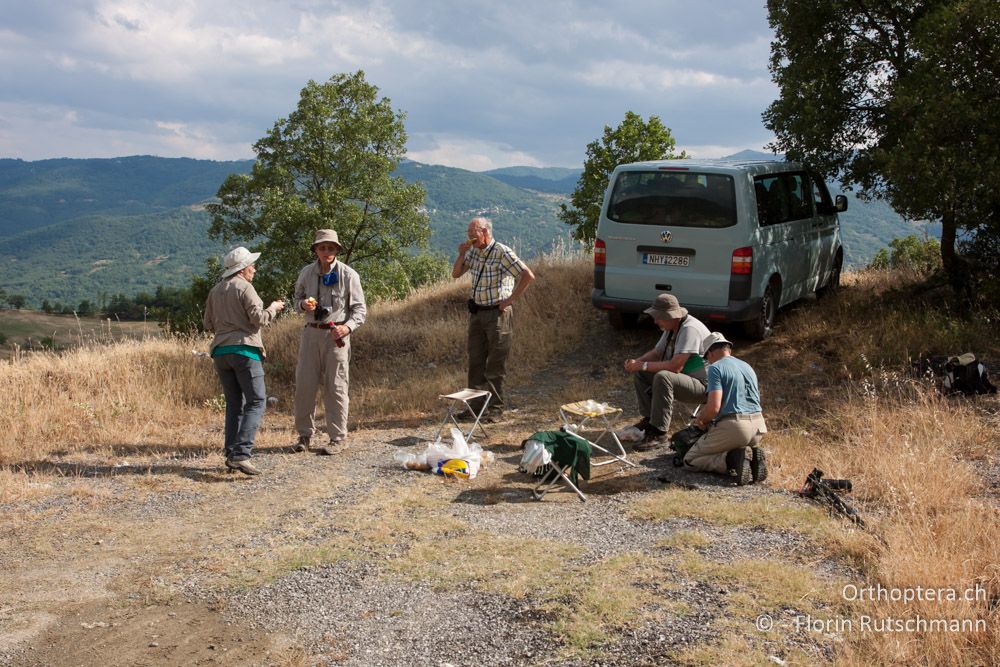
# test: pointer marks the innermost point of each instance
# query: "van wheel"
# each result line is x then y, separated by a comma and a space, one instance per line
832, 285
761, 326
621, 321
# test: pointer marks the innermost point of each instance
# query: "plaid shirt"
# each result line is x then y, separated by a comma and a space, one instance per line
499, 266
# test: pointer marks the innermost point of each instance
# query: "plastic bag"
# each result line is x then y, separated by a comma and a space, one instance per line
439, 453
535, 457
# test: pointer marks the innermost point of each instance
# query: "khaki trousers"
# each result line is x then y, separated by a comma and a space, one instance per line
490, 336
709, 453
321, 362
656, 393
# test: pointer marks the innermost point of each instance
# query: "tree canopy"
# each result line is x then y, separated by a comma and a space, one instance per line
896, 99
634, 140
328, 165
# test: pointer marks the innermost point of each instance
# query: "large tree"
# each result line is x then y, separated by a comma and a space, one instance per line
896, 99
634, 140
329, 165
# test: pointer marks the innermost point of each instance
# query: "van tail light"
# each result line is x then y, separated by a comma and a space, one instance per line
600, 252
743, 261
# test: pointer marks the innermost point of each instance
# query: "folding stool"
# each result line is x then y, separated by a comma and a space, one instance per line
576, 416
569, 454
459, 404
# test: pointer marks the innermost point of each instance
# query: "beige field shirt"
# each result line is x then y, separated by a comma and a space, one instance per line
236, 314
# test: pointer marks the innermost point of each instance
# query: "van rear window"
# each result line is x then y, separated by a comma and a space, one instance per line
685, 199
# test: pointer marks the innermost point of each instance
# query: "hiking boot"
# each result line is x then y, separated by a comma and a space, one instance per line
302, 444
243, 466
331, 448
654, 439
738, 466
758, 464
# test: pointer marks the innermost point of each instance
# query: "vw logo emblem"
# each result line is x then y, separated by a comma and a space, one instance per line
665, 236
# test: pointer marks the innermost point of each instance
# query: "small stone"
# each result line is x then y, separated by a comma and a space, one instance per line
153, 644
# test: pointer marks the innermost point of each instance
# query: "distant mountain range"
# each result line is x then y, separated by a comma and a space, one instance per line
75, 229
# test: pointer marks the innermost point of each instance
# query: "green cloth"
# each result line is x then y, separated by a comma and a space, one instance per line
693, 363
244, 350
567, 450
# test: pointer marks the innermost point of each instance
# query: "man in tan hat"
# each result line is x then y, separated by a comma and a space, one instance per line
673, 369
499, 277
329, 294
732, 417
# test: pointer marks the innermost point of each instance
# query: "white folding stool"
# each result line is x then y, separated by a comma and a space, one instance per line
576, 416
460, 399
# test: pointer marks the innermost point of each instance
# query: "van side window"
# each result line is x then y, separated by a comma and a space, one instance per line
821, 196
782, 198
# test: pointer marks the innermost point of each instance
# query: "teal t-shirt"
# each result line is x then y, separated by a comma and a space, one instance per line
244, 350
738, 383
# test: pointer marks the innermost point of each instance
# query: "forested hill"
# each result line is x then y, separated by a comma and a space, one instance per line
73, 229
41, 193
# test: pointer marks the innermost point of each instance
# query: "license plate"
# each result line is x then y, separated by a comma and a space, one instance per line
665, 260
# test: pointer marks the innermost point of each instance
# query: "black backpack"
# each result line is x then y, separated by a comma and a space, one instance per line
967, 375
682, 441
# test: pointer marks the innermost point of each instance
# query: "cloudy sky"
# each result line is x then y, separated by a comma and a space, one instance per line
484, 84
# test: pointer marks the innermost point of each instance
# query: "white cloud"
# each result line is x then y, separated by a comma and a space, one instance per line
623, 75
49, 131
471, 154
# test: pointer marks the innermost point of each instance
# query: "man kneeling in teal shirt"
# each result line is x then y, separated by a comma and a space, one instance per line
732, 417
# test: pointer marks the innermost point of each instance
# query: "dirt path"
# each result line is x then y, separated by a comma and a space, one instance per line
163, 559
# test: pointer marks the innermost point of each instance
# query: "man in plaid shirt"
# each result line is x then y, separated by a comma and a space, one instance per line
499, 277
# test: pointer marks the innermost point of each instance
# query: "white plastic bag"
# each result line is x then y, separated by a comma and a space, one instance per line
438, 452
535, 457
630, 434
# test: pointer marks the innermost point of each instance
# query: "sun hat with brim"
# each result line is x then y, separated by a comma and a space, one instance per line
327, 236
236, 260
666, 307
713, 339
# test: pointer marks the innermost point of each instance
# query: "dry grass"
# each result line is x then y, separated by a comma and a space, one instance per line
129, 394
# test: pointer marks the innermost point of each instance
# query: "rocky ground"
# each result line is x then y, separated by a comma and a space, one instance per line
113, 579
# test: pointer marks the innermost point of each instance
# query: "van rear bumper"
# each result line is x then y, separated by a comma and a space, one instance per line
735, 311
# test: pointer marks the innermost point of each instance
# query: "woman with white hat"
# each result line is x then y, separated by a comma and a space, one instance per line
236, 314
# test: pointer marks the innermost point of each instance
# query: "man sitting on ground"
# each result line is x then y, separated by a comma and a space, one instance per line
732, 417
673, 369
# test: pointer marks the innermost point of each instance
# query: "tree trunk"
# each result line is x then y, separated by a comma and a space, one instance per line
955, 268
